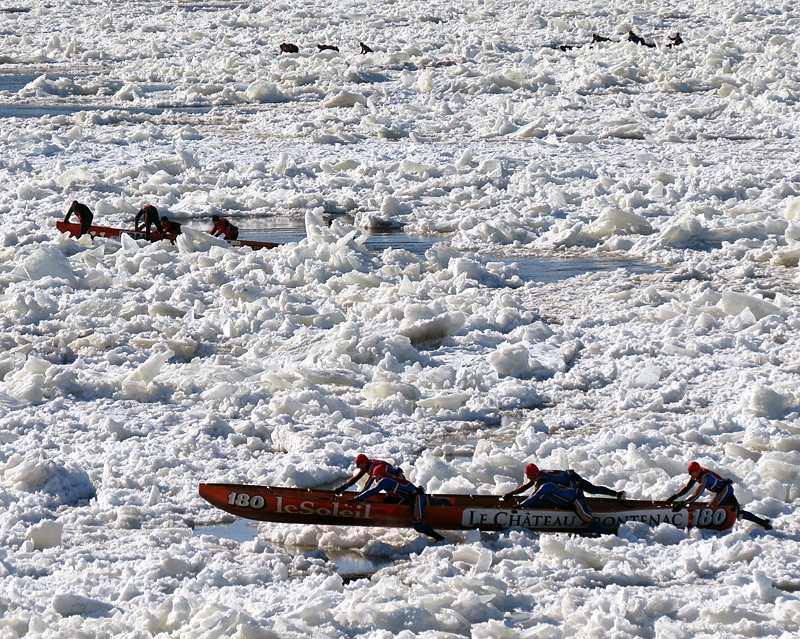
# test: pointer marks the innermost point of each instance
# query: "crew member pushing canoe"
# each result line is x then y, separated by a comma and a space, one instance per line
223, 228
702, 479
84, 215
406, 491
149, 215
562, 489
168, 226
366, 466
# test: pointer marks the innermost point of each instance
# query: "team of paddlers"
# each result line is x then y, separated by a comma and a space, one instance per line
562, 489
147, 220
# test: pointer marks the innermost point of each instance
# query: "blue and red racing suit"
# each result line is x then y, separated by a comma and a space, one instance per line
707, 480
560, 477
569, 495
406, 492
391, 471
404, 489
563, 489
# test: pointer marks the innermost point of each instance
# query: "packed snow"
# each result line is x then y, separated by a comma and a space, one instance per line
130, 372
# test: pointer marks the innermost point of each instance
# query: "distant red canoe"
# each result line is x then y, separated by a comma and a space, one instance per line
448, 512
107, 231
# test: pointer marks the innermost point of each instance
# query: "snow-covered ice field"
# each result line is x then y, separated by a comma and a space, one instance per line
131, 372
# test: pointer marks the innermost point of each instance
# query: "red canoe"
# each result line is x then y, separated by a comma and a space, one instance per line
448, 512
108, 231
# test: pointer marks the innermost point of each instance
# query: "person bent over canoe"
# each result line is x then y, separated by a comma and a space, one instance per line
223, 228
84, 215
149, 215
562, 477
406, 491
562, 489
168, 226
367, 466
702, 479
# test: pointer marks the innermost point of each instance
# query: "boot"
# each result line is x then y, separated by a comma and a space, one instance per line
766, 524
427, 530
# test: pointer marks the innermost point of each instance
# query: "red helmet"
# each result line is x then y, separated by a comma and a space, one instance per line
362, 460
694, 467
379, 471
531, 470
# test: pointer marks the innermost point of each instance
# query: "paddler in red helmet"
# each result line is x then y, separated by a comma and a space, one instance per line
405, 490
703, 479
562, 489
366, 466
561, 477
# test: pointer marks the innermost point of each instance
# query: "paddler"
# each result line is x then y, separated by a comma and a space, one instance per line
563, 489
562, 477
149, 215
168, 226
703, 479
223, 228
406, 491
84, 215
366, 466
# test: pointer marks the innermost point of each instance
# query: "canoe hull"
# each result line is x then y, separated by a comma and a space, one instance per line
109, 231
448, 512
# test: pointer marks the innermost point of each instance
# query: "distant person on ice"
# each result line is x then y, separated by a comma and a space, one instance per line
562, 489
366, 466
406, 491
149, 215
84, 215
703, 479
168, 226
223, 228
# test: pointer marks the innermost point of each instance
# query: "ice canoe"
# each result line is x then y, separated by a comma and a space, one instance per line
108, 231
448, 512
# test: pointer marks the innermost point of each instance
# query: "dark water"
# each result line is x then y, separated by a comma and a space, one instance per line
241, 531
348, 563
554, 269
15, 81
415, 244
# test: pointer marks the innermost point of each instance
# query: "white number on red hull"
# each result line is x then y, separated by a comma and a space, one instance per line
243, 500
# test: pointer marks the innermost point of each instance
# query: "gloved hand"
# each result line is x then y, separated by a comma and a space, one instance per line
340, 490
680, 505
670, 499
620, 494
507, 496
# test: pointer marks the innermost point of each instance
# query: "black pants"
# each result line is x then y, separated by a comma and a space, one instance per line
588, 487
86, 222
731, 500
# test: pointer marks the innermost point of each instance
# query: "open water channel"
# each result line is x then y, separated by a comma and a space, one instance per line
530, 268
